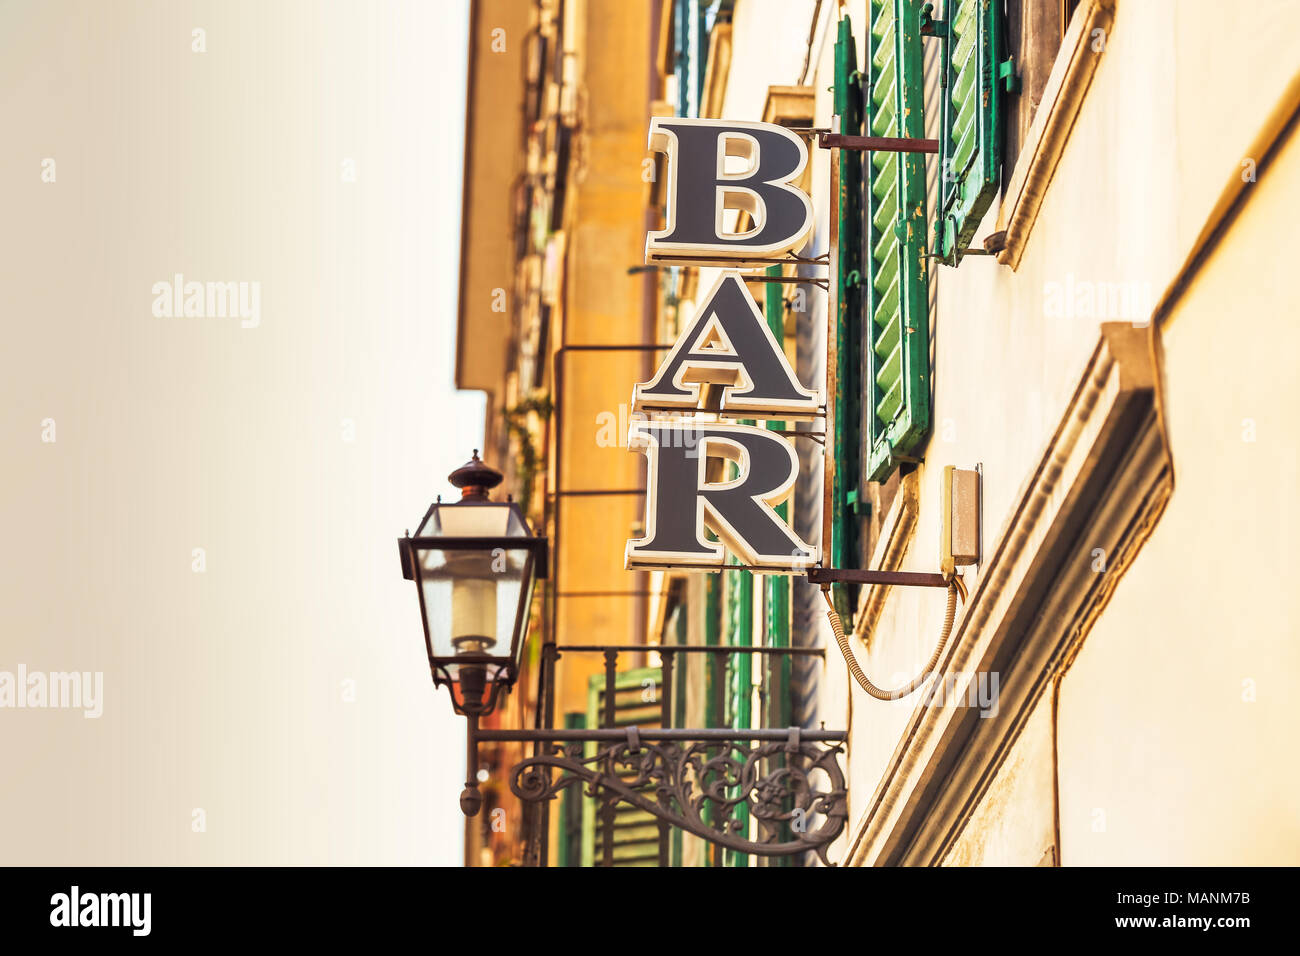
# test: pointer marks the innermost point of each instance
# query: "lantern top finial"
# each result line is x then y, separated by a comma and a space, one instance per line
475, 479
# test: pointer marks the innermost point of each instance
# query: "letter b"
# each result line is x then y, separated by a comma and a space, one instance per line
701, 189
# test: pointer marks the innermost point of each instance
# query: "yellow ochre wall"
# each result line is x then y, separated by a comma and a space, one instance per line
604, 305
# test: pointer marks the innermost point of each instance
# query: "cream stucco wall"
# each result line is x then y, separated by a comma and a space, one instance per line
1176, 719
1014, 824
1179, 92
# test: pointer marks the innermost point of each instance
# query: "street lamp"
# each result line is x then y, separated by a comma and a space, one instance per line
474, 562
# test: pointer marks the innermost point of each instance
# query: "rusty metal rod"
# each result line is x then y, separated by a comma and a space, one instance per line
853, 576
879, 144
687, 648
654, 734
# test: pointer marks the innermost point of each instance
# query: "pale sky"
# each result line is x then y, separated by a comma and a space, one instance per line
213, 525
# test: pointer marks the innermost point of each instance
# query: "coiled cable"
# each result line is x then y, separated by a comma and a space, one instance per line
955, 588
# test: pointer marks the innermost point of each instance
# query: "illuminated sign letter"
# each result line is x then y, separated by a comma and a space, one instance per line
702, 185
728, 344
681, 502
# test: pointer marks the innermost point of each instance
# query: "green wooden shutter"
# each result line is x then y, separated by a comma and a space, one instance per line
848, 321
740, 679
636, 833
569, 850
896, 382
970, 148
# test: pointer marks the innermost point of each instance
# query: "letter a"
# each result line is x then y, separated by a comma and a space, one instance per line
728, 344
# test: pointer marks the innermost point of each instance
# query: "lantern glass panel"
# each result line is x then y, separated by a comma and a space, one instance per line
484, 519
472, 601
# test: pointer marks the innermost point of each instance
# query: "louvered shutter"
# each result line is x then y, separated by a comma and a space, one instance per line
848, 320
970, 147
896, 380
740, 677
636, 833
571, 835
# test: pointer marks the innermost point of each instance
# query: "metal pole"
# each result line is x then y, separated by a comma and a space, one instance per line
892, 578
665, 719
878, 144
609, 809
719, 661
657, 735
832, 358
550, 655
707, 648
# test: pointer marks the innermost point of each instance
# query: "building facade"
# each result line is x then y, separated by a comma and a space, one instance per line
552, 325
1078, 294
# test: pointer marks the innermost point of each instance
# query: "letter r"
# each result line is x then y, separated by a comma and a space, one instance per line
681, 502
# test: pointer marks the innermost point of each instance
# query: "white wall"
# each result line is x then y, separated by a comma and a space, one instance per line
223, 690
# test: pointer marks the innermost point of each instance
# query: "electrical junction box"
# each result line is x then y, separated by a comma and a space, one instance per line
961, 519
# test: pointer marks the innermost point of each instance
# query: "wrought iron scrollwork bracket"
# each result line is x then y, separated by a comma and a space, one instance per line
789, 782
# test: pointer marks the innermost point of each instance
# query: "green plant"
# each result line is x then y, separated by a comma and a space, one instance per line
516, 422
